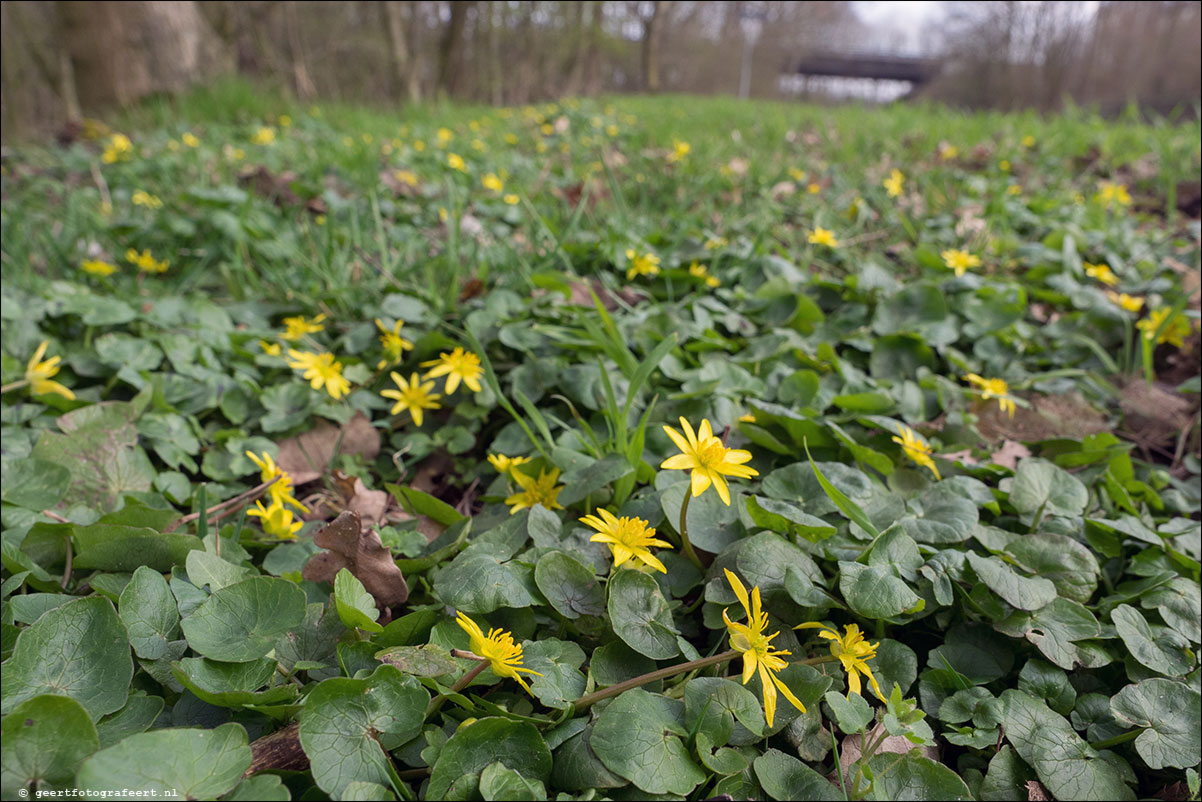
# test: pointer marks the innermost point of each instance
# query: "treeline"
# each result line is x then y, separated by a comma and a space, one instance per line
64, 60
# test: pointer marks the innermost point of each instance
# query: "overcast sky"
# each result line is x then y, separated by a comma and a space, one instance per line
899, 25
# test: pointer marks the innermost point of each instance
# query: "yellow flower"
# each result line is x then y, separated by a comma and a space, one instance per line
646, 264
1174, 333
143, 198
38, 374
511, 199
504, 656
714, 243
797, 174
1004, 165
297, 327
700, 271
916, 449
444, 135
97, 267
276, 519
284, 121
394, 344
118, 149
1028, 141
1110, 193
708, 459
758, 654
814, 188
960, 261
190, 139
893, 184
852, 651
457, 365
822, 236
455, 162
748, 418
948, 152
412, 396
611, 130
280, 490
535, 491
419, 145
1014, 189
994, 388
1129, 303
271, 349
263, 136
146, 262
679, 150
321, 370
1102, 273
627, 538
406, 177
492, 182
505, 464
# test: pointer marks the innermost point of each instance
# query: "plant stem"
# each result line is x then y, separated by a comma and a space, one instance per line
13, 385
462, 683
1122, 738
585, 702
685, 546
248, 495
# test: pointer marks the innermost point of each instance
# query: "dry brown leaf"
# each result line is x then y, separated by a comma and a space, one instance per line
965, 456
1009, 454
1036, 792
370, 504
349, 545
1154, 414
307, 456
850, 751
782, 189
1048, 416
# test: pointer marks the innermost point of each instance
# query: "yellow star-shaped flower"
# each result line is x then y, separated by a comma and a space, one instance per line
852, 651
411, 395
916, 449
994, 388
709, 460
535, 491
504, 656
459, 365
38, 374
627, 538
758, 654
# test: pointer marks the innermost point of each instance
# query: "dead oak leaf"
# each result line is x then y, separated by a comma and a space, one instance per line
349, 545
1009, 454
307, 456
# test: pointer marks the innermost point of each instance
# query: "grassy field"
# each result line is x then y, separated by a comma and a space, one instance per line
733, 436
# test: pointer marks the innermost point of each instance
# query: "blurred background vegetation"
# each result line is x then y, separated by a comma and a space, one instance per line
64, 60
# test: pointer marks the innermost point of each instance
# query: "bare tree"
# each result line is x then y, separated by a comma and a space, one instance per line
451, 47
406, 71
120, 52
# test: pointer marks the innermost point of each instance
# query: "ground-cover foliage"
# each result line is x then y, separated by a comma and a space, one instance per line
644, 449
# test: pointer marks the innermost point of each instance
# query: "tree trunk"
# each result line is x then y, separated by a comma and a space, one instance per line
592, 53
402, 62
652, 30
450, 47
301, 80
496, 24
122, 51
578, 46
